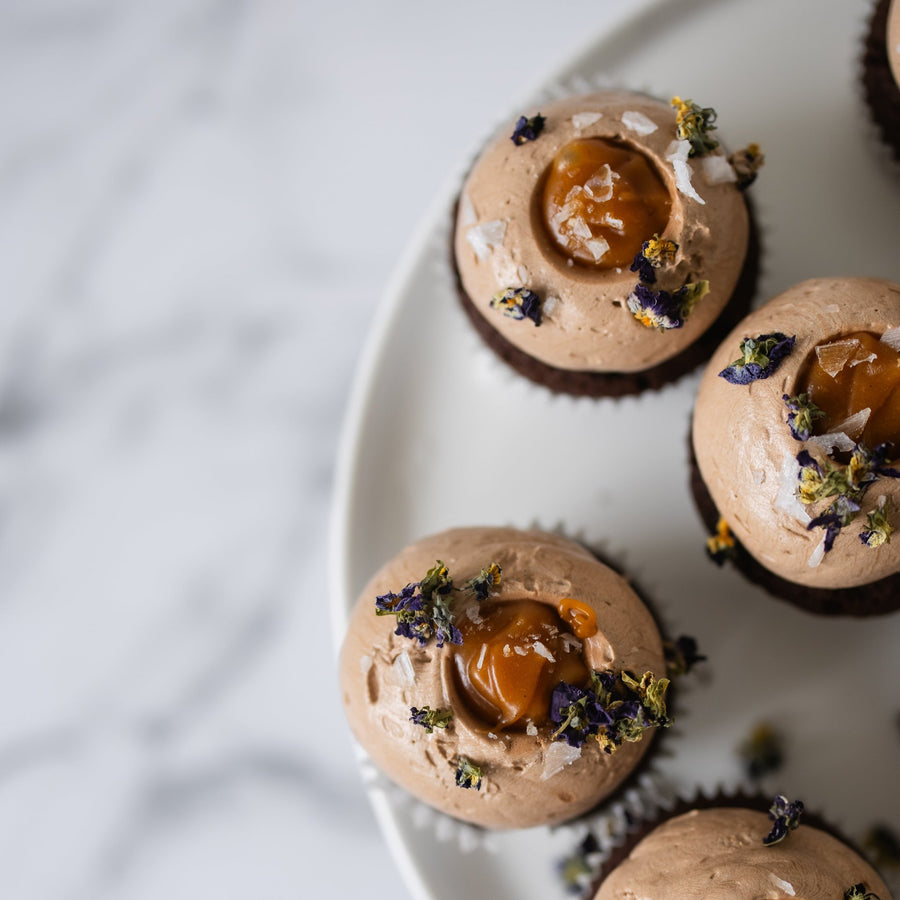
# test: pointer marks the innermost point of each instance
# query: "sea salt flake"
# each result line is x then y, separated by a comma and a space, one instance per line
563, 214
597, 248
584, 119
485, 237
818, 554
541, 650
612, 222
507, 650
520, 651
580, 228
493, 736
892, 338
403, 668
677, 154
785, 886
599, 186
559, 755
531, 729
717, 170
549, 305
473, 615
638, 123
786, 499
571, 642
853, 425
467, 214
835, 356
522, 272
834, 440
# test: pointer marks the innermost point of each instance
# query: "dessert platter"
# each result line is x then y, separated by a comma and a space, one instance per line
469, 442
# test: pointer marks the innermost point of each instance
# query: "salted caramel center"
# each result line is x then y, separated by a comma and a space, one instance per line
602, 200
855, 381
511, 658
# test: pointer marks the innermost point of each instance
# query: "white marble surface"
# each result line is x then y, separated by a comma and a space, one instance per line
200, 204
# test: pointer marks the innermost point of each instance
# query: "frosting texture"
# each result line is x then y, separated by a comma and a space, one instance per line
748, 457
501, 241
528, 779
718, 854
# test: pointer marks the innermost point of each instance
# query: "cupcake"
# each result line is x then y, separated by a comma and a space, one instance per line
740, 852
597, 240
795, 430
506, 678
881, 71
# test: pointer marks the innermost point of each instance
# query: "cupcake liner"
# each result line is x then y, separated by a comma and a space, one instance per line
613, 385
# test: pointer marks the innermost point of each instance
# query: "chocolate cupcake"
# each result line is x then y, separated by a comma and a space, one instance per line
506, 678
734, 848
796, 428
881, 71
597, 241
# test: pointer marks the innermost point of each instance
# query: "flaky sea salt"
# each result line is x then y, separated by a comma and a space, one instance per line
835, 356
520, 651
834, 440
717, 170
481, 656
853, 425
597, 248
677, 154
583, 119
531, 729
522, 272
559, 755
570, 642
483, 238
599, 186
612, 222
403, 668
818, 554
541, 650
892, 338
467, 215
549, 305
783, 885
638, 123
579, 228
786, 500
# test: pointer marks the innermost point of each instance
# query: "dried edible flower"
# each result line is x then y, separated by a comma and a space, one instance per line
430, 718
847, 483
468, 775
760, 357
785, 816
577, 871
486, 582
421, 608
858, 892
681, 655
693, 124
518, 303
721, 546
612, 709
746, 164
528, 129
879, 529
802, 412
653, 255
664, 310
762, 752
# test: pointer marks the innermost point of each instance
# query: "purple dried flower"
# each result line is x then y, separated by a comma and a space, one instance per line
802, 412
518, 303
785, 816
528, 129
760, 357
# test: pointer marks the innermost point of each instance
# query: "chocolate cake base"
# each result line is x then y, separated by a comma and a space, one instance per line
873, 599
881, 90
622, 384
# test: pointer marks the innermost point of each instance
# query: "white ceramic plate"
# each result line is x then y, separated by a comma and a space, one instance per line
439, 433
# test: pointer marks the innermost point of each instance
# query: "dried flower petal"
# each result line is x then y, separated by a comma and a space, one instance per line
468, 775
528, 129
681, 655
802, 412
760, 357
786, 817
518, 303
577, 871
664, 310
487, 582
693, 124
858, 892
762, 752
879, 529
654, 254
721, 546
430, 718
746, 164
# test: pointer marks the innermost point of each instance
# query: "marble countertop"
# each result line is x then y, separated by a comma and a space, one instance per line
201, 202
